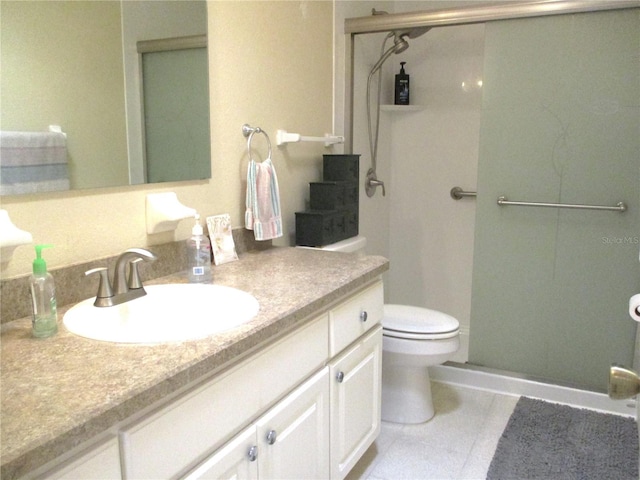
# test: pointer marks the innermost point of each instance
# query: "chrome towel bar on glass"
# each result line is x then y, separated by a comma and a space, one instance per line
620, 206
457, 193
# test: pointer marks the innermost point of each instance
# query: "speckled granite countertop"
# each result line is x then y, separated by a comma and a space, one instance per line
60, 392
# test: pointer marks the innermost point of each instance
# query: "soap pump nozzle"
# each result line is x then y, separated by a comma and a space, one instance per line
39, 265
402, 64
197, 228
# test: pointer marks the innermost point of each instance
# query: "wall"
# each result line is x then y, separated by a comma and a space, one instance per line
427, 236
374, 211
434, 150
270, 66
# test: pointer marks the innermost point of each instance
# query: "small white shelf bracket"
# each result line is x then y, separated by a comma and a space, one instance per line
164, 211
11, 237
283, 137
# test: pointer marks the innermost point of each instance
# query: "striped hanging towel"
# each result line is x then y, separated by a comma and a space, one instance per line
263, 201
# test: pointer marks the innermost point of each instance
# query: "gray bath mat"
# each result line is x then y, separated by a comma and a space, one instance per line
547, 441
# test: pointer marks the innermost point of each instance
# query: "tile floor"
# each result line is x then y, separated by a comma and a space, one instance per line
458, 443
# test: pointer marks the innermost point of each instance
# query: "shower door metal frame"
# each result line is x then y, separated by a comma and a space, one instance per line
452, 17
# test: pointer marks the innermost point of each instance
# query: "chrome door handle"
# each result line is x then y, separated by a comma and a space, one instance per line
340, 377
623, 383
271, 437
364, 315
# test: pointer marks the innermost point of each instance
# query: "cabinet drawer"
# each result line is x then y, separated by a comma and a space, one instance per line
102, 462
170, 441
356, 316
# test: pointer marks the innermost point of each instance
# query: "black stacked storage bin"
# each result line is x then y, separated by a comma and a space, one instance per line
333, 206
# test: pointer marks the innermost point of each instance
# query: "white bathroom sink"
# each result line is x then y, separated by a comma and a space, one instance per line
168, 313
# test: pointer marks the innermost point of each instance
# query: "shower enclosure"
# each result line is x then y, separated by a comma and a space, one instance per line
560, 123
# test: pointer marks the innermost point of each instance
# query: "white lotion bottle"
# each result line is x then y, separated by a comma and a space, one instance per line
199, 255
43, 298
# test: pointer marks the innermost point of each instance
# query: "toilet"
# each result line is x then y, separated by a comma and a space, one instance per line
413, 339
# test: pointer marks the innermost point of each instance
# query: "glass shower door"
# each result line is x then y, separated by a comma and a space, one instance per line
560, 124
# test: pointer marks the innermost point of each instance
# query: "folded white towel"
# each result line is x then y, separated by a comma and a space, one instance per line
263, 201
19, 149
32, 162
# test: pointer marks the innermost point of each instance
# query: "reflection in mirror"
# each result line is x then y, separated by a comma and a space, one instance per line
176, 120
63, 65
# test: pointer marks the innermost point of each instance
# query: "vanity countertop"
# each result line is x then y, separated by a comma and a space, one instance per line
59, 392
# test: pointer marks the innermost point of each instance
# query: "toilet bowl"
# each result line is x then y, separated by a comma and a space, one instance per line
414, 338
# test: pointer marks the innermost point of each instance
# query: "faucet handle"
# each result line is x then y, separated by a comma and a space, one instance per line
120, 283
104, 288
134, 280
378, 183
371, 183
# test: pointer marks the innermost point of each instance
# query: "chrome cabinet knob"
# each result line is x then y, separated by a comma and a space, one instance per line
364, 315
252, 453
271, 437
340, 377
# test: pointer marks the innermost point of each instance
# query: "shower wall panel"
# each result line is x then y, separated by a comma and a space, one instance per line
561, 124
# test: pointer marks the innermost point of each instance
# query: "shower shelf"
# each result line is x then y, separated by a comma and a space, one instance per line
402, 108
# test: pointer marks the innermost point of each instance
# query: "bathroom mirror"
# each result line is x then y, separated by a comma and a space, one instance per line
76, 64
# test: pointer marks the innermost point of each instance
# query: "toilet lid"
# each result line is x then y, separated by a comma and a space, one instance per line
417, 322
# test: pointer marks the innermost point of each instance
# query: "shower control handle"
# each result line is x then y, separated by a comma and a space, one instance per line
371, 183
378, 183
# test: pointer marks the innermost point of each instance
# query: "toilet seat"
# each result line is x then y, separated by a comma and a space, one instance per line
417, 323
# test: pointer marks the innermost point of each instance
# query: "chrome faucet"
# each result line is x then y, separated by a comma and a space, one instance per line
125, 287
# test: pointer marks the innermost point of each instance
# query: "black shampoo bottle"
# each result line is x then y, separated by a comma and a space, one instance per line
402, 87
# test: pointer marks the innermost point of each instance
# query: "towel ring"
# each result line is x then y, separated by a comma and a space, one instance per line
249, 131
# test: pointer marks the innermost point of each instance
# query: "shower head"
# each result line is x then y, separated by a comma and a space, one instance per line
400, 43
412, 32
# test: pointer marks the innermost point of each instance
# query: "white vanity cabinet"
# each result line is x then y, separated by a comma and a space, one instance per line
289, 441
324, 427
305, 406
173, 440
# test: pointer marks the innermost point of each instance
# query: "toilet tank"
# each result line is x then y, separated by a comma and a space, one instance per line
348, 245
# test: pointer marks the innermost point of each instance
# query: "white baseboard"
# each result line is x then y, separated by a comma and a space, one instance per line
467, 376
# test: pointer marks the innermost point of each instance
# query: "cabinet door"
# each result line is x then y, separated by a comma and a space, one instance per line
236, 460
293, 437
355, 402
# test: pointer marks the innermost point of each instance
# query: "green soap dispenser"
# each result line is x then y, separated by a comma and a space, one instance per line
402, 86
43, 298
